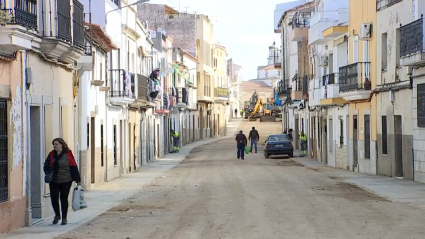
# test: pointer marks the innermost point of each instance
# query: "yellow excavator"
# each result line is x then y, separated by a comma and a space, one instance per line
255, 113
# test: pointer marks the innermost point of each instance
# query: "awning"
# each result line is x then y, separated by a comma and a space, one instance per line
176, 68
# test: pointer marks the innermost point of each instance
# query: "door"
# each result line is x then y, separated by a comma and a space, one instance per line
193, 128
134, 147
295, 136
93, 149
367, 136
130, 151
355, 137
121, 147
398, 147
218, 123
324, 148
36, 164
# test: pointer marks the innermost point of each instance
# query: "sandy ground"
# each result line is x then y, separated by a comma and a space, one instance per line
211, 194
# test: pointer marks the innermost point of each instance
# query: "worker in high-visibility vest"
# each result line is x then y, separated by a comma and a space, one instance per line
176, 141
303, 143
242, 113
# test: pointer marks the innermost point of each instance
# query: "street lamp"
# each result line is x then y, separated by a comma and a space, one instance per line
135, 3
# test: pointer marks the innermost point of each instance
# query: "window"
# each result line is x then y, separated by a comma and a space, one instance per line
115, 145
4, 185
341, 132
88, 135
356, 49
367, 136
384, 51
384, 135
331, 135
102, 157
421, 105
397, 47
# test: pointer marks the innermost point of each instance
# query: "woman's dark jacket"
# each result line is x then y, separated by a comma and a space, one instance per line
51, 163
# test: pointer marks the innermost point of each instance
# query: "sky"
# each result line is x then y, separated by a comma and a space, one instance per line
244, 27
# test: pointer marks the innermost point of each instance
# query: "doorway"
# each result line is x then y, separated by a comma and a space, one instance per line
129, 147
121, 147
92, 149
324, 139
355, 148
218, 123
36, 164
193, 128
295, 136
398, 147
134, 147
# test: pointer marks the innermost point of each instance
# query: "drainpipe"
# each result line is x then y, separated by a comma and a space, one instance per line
26, 141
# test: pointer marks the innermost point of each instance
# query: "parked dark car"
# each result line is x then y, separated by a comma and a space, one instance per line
278, 144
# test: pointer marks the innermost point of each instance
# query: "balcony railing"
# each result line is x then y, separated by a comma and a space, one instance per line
221, 92
382, 4
305, 86
330, 78
281, 87
122, 84
64, 20
298, 83
142, 87
301, 19
411, 38
182, 96
117, 2
78, 28
354, 77
24, 13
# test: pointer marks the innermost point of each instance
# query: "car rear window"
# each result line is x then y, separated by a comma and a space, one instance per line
282, 137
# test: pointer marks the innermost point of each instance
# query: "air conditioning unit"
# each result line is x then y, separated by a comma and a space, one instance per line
323, 61
163, 63
365, 30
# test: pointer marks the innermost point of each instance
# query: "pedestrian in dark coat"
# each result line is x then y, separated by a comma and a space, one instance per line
241, 143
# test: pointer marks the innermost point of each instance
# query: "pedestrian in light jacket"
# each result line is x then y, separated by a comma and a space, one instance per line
65, 171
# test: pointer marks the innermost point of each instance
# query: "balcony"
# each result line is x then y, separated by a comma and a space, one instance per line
277, 59
300, 25
324, 20
122, 87
330, 90
144, 88
182, 97
412, 44
17, 21
299, 88
221, 93
64, 32
354, 81
282, 89
382, 4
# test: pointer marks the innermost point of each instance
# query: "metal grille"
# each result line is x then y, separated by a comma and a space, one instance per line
384, 135
305, 86
4, 184
367, 136
26, 13
411, 36
78, 28
382, 4
64, 20
142, 86
301, 19
331, 79
421, 105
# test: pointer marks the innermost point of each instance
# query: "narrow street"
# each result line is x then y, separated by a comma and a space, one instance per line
211, 194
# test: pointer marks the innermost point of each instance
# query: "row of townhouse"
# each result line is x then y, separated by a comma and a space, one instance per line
99, 76
353, 80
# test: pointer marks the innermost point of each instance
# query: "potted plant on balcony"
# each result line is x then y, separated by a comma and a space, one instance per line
5, 17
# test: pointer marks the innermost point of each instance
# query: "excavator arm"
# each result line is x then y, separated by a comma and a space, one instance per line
257, 106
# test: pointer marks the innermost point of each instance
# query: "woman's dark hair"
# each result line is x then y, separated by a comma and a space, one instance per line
61, 142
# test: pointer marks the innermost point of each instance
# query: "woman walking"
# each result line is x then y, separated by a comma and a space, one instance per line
62, 163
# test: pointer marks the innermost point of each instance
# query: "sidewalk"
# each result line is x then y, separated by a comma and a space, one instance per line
395, 190
112, 193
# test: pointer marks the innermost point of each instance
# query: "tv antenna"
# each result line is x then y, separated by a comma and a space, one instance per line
186, 8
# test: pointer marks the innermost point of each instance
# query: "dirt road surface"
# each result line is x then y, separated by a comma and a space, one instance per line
214, 195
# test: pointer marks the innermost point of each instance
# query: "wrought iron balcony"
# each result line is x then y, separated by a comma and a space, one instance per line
354, 77
64, 20
282, 88
143, 87
24, 13
221, 92
301, 19
122, 85
330, 78
412, 43
182, 96
78, 28
382, 4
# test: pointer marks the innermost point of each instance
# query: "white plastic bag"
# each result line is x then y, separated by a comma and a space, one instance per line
78, 201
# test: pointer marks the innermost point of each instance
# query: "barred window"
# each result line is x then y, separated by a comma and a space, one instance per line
4, 184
